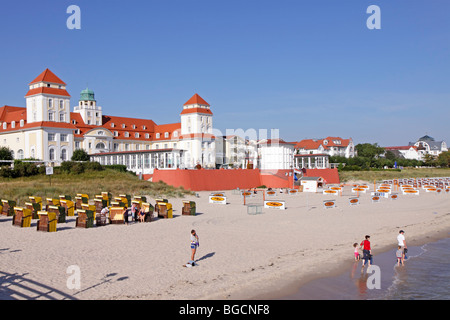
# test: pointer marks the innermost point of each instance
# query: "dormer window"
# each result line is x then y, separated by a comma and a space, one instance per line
134, 126
13, 124
112, 125
144, 127
147, 136
157, 136
136, 135
116, 134
175, 134
123, 125
126, 134
22, 122
166, 135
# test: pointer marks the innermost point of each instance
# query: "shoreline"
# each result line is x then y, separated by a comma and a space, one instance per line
286, 288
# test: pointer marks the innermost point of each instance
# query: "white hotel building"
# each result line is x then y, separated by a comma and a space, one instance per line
46, 129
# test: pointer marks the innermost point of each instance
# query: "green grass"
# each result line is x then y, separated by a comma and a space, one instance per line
91, 183
378, 176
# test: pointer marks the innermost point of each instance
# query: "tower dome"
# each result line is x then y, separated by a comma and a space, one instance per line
87, 95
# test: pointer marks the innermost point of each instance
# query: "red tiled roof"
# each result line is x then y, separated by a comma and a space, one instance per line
46, 90
196, 110
196, 99
275, 142
48, 76
310, 144
400, 148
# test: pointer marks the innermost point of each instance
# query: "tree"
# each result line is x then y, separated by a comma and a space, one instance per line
444, 159
80, 155
368, 150
6, 154
429, 160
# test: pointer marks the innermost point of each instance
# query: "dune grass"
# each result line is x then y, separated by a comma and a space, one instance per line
90, 182
371, 176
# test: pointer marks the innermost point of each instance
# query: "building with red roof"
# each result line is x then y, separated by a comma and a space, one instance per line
47, 129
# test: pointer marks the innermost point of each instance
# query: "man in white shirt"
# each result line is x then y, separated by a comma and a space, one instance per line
401, 239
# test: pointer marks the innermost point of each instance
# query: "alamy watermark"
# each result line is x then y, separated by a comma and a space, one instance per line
74, 20
74, 280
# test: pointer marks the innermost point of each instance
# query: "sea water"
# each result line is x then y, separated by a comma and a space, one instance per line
424, 276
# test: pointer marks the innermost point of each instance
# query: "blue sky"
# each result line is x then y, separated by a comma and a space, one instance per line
308, 68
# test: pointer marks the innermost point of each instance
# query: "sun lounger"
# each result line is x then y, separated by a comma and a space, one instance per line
8, 207
59, 211
148, 209
116, 215
37, 200
165, 210
47, 221
34, 208
85, 219
159, 201
52, 202
22, 217
99, 204
189, 208
69, 207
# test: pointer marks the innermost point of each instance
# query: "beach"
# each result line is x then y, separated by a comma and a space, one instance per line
241, 256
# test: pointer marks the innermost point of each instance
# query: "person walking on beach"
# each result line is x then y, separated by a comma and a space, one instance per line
400, 255
194, 245
367, 251
402, 242
356, 252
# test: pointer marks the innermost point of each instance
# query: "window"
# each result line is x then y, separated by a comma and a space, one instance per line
166, 135
51, 154
22, 122
13, 124
61, 104
20, 154
63, 154
63, 137
4, 125
127, 146
100, 145
50, 103
112, 125
126, 134
51, 137
51, 116
100, 133
123, 125
62, 117
116, 146
157, 136
134, 126
144, 127
116, 134
77, 145
136, 135
175, 134
147, 136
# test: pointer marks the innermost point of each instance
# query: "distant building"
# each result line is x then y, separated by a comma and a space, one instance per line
332, 146
407, 152
427, 145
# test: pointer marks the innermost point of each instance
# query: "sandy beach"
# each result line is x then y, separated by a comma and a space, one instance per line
241, 256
